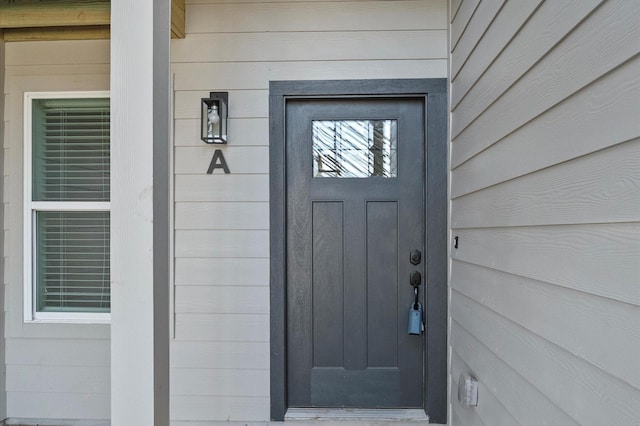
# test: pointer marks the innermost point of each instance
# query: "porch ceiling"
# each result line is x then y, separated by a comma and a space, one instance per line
22, 20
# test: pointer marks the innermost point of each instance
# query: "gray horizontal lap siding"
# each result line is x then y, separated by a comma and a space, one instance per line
545, 184
53, 371
220, 355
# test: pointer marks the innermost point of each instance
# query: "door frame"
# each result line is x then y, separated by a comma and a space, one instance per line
434, 93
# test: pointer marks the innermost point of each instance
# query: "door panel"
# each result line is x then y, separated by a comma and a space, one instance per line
382, 298
328, 286
355, 210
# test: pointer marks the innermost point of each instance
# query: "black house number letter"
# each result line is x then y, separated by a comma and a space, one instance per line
218, 162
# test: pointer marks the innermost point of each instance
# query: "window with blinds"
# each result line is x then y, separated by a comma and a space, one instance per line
70, 149
69, 206
72, 261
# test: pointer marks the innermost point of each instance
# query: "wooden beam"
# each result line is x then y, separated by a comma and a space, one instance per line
56, 19
177, 19
56, 13
95, 32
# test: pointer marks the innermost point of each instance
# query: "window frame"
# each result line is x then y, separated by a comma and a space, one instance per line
31, 315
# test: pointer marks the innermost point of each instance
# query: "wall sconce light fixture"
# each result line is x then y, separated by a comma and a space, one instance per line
213, 118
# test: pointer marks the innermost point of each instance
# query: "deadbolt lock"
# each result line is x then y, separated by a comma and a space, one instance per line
415, 257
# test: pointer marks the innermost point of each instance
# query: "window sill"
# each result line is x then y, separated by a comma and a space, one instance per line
63, 319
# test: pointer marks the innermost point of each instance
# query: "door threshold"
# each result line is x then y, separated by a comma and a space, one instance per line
357, 414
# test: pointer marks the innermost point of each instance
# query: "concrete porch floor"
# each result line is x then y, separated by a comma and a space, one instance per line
294, 417
316, 422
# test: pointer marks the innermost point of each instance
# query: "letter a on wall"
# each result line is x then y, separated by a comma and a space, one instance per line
218, 162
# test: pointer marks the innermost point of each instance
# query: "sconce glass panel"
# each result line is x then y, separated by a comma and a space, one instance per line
213, 118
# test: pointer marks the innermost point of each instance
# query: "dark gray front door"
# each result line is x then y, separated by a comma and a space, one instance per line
355, 211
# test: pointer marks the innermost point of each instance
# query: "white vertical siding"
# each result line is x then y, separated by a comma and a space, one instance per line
545, 188
220, 355
52, 370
